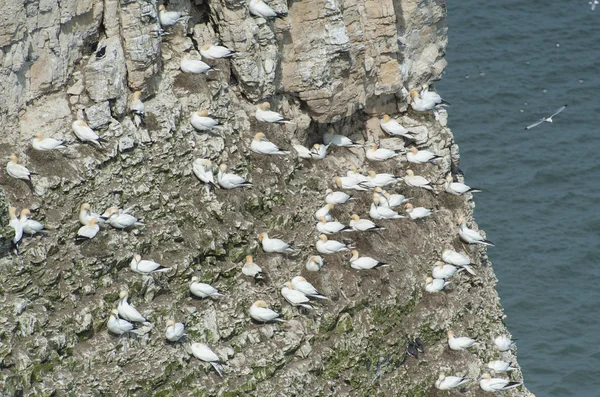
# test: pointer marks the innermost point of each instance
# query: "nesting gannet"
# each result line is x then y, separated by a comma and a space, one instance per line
449, 382
330, 138
16, 170
85, 133
434, 285
204, 353
314, 263
90, 230
203, 290
330, 227
30, 226
458, 188
547, 119
469, 235
503, 343
294, 298
145, 266
251, 269
202, 121
262, 145
443, 271
499, 366
261, 313
324, 212
230, 181
268, 116
325, 246
258, 8
168, 18
319, 151
46, 144
16, 224
345, 182
364, 262
420, 104
416, 180
380, 154
455, 258
378, 211
274, 244
299, 283
353, 173
393, 128
127, 311
174, 331
487, 383
417, 212
203, 170
86, 214
196, 66
363, 225
460, 343
393, 200
332, 197
302, 151
116, 325
379, 180
210, 51
136, 107
431, 96
417, 156
120, 220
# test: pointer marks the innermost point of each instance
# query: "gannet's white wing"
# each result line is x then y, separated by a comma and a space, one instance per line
557, 112
535, 124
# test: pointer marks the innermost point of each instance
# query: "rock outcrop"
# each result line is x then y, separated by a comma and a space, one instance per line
338, 65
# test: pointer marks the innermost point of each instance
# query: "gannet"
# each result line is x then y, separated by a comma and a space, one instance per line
127, 311
458, 188
116, 325
330, 138
174, 331
251, 269
503, 343
449, 382
30, 226
434, 285
299, 283
90, 230
85, 133
324, 212
471, 236
262, 145
294, 298
547, 119
460, 343
274, 244
325, 246
487, 383
455, 258
431, 96
380, 212
380, 154
202, 290
204, 353
314, 263
416, 181
593, 4
45, 144
393, 200
210, 51
16, 224
168, 18
86, 214
419, 104
393, 128
353, 173
332, 197
230, 181
318, 151
303, 151
444, 271
364, 262
379, 180
188, 65
140, 266
499, 366
417, 212
16, 170
344, 182
203, 170
261, 313
201, 121
363, 225
260, 9
268, 116
120, 220
325, 227
136, 107
417, 156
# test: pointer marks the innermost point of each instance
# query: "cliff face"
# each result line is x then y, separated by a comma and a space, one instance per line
339, 64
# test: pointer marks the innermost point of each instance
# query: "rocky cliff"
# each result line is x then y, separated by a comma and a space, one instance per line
337, 64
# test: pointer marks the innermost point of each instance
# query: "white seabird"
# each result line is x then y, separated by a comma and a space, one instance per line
299, 283
302, 151
434, 285
127, 311
393, 200
314, 263
458, 188
503, 343
202, 168
202, 121
261, 313
294, 297
16, 224
16, 170
325, 246
116, 325
210, 51
499, 366
547, 119
353, 173
262, 145
46, 144
274, 244
487, 383
330, 138
85, 133
457, 259
393, 128
204, 353
86, 214
334, 198
364, 262
416, 180
380, 180
324, 212
145, 266
258, 8
431, 96
420, 104
251, 269
345, 182
417, 212
268, 116
449, 382
119, 219
471, 236
30, 226
168, 18
137, 108
174, 331
319, 151
417, 156
363, 225
593, 4
444, 271
378, 211
202, 290
90, 230
331, 227
230, 181
379, 154
460, 343
195, 66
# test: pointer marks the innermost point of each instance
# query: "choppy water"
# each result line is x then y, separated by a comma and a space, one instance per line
510, 63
